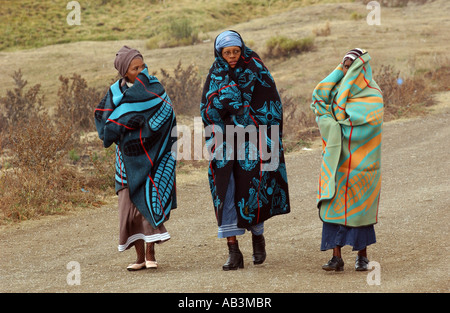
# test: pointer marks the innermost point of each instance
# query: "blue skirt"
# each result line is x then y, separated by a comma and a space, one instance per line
229, 226
338, 235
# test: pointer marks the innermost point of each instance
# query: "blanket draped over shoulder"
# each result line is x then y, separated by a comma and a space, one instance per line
140, 120
349, 113
243, 118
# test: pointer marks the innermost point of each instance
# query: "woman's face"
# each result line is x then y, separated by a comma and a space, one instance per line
136, 66
347, 65
231, 55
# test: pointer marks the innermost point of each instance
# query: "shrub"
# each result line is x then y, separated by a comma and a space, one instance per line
184, 89
102, 171
180, 33
324, 31
402, 96
299, 125
18, 104
439, 79
76, 103
36, 177
38, 181
282, 47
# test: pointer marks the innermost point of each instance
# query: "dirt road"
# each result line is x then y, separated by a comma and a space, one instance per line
411, 249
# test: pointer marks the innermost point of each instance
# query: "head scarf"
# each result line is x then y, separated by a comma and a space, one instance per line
228, 39
353, 54
124, 57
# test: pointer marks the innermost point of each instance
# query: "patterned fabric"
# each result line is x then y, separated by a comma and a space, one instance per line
246, 99
229, 226
140, 120
349, 112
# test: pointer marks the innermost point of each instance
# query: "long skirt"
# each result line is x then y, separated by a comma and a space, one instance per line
338, 235
229, 226
133, 226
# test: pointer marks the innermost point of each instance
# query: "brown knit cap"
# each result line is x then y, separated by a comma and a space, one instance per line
124, 57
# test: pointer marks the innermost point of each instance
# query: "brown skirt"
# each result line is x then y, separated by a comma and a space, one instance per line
134, 226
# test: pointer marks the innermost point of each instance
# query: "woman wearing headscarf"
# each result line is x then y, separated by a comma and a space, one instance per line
243, 118
136, 114
348, 105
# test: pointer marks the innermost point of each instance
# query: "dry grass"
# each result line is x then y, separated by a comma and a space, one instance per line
30, 24
281, 47
402, 97
37, 180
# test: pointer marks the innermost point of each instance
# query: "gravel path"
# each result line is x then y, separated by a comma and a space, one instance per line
411, 247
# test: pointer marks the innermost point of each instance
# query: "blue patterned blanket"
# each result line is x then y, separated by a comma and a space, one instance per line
140, 120
245, 100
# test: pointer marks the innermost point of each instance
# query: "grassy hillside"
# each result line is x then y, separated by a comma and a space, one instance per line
31, 24
412, 39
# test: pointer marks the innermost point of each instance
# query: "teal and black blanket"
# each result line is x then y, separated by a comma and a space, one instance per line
140, 120
243, 118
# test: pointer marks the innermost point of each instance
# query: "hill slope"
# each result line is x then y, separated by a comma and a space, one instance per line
412, 39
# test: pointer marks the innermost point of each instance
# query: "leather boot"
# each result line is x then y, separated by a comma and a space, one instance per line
235, 257
259, 249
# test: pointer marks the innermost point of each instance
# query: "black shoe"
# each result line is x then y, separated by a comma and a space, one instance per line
361, 263
235, 257
259, 249
334, 264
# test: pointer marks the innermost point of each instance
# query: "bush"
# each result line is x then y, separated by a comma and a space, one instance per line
18, 104
180, 33
36, 177
184, 89
299, 125
76, 103
324, 31
402, 96
38, 181
282, 47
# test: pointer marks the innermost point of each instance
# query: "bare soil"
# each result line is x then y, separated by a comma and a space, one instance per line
411, 246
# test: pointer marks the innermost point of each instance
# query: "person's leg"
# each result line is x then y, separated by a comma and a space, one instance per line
362, 238
150, 253
231, 240
229, 230
140, 251
337, 251
331, 239
335, 263
363, 252
150, 259
140, 260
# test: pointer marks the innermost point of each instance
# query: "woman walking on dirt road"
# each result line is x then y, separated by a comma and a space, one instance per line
243, 118
348, 105
136, 114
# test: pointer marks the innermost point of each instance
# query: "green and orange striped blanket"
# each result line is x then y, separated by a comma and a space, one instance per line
349, 113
